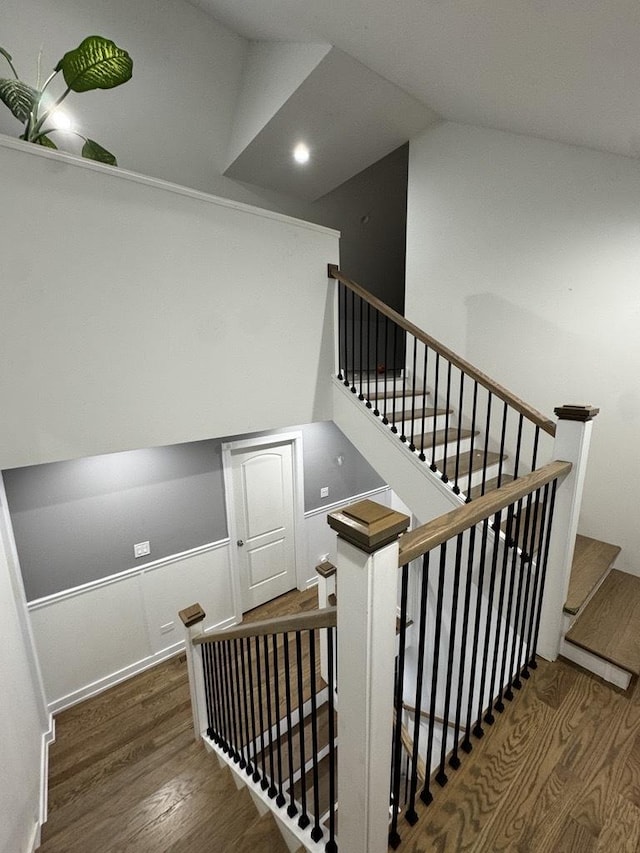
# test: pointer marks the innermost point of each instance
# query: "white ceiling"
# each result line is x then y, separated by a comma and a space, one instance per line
567, 70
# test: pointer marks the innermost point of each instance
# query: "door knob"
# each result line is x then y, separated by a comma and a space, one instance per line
240, 543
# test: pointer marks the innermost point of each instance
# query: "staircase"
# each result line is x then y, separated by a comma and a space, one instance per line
602, 614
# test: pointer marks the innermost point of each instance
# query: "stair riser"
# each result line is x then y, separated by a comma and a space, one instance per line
476, 476
592, 663
405, 426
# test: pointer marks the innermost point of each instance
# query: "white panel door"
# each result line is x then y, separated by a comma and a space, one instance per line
264, 514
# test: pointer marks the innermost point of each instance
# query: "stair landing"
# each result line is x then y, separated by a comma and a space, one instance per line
609, 626
592, 560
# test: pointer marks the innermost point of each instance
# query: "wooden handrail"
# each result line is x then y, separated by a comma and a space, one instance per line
325, 618
445, 527
536, 417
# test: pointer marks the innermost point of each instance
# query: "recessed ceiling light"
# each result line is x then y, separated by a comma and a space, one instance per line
301, 153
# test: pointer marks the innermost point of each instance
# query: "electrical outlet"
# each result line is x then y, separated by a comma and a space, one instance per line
141, 549
324, 492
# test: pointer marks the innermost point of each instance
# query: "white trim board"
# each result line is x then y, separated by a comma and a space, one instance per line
157, 183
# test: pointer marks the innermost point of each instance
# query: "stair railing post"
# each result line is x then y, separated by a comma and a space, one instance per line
367, 574
573, 436
192, 619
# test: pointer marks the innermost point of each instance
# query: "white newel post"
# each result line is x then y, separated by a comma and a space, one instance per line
573, 435
367, 573
192, 618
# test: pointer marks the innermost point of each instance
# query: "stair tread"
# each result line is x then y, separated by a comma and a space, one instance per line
442, 436
398, 393
592, 559
428, 412
608, 627
469, 461
490, 485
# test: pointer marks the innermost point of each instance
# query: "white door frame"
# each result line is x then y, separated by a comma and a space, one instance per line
228, 448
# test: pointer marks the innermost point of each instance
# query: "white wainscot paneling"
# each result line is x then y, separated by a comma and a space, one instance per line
203, 578
321, 539
85, 640
93, 637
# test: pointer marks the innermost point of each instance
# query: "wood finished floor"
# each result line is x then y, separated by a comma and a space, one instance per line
558, 773
125, 773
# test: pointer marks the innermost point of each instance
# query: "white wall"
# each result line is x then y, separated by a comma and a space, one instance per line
272, 72
173, 119
524, 256
136, 315
24, 722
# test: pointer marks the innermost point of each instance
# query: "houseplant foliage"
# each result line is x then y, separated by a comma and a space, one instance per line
96, 63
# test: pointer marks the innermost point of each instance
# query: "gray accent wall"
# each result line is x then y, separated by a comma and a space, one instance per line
77, 521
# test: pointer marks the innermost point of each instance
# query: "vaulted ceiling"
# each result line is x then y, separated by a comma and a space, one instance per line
567, 70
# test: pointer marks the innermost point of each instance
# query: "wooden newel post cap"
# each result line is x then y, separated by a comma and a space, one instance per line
368, 525
571, 412
192, 615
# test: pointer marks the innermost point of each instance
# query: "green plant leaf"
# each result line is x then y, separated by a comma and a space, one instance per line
46, 142
96, 64
92, 151
18, 97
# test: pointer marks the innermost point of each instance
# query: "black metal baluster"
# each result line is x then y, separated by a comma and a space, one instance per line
331, 846
411, 815
456, 476
532, 663
316, 832
478, 730
368, 355
503, 438
454, 761
447, 413
487, 431
252, 699
424, 403
534, 592
227, 746
237, 692
403, 437
271, 792
426, 796
245, 694
234, 704
205, 652
342, 331
433, 466
361, 342
264, 783
394, 836
292, 809
466, 744
514, 516
377, 362
280, 799
441, 776
394, 428
516, 464
412, 445
473, 437
354, 390
513, 671
531, 551
534, 457
303, 820
385, 419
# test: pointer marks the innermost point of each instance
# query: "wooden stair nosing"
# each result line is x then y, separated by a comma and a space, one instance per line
592, 561
608, 626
